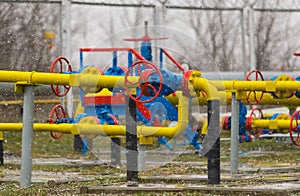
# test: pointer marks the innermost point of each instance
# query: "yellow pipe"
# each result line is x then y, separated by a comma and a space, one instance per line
197, 84
225, 99
36, 77
102, 81
111, 130
272, 124
64, 128
46, 101
169, 132
267, 86
268, 99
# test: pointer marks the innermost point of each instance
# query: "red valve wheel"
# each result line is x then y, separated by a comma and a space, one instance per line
57, 67
258, 75
259, 114
255, 113
293, 128
143, 81
56, 113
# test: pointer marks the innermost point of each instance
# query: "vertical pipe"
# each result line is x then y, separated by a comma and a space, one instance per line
115, 151
155, 22
243, 39
213, 155
159, 22
115, 59
131, 141
234, 144
160, 58
27, 133
81, 59
61, 37
130, 61
252, 40
66, 46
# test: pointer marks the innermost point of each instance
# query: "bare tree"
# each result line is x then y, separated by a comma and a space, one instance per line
23, 46
274, 40
217, 37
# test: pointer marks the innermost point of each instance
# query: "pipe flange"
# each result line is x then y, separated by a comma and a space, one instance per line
90, 86
283, 117
249, 122
88, 120
283, 94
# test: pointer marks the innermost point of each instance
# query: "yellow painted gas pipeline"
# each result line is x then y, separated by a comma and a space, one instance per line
64, 128
266, 86
225, 99
40, 101
36, 78
102, 81
90, 80
272, 124
111, 130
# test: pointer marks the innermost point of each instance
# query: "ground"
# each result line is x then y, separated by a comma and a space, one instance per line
266, 166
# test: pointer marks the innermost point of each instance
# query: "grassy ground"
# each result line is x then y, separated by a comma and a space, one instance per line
45, 146
270, 151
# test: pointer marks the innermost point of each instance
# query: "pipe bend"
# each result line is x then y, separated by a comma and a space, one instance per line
169, 132
202, 84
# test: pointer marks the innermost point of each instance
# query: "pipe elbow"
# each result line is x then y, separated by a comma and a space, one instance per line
211, 91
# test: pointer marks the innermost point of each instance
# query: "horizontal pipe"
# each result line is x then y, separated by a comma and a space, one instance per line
103, 81
111, 130
7, 89
267, 86
272, 124
35, 78
225, 99
40, 101
133, 51
64, 128
229, 75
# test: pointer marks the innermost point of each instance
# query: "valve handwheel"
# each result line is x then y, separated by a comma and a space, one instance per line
60, 61
56, 113
258, 75
259, 113
256, 113
143, 81
295, 117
